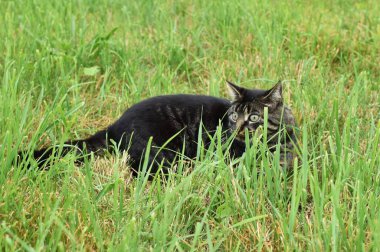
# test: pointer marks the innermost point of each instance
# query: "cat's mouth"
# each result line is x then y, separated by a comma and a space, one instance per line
241, 136
252, 133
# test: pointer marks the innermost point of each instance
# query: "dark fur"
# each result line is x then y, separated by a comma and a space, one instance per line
162, 117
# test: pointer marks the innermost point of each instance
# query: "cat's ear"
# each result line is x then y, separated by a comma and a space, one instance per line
236, 93
273, 97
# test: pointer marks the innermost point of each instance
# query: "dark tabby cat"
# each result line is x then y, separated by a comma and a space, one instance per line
163, 117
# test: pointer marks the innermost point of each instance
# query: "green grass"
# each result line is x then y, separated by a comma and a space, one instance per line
69, 68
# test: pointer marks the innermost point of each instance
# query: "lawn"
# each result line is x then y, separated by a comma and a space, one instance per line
70, 68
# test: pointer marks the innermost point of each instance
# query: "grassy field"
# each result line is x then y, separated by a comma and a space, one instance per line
69, 68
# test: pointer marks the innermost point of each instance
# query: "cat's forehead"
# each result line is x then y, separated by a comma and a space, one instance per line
250, 102
253, 94
246, 107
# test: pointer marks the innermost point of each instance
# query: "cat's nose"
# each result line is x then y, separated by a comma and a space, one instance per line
239, 125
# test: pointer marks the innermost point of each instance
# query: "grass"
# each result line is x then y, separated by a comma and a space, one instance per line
69, 68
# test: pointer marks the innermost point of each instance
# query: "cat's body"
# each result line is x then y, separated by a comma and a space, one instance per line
174, 117
173, 122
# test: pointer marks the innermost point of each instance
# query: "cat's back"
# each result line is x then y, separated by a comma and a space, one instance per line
181, 103
184, 100
169, 110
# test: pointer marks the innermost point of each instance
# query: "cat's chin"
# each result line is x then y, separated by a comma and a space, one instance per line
240, 138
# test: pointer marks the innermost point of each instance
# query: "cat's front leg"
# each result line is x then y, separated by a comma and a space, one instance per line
237, 148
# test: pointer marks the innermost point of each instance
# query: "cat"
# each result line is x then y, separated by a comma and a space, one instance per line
173, 121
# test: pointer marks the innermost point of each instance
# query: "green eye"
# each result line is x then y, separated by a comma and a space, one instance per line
254, 118
234, 116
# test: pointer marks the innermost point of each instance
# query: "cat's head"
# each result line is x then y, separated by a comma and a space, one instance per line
247, 109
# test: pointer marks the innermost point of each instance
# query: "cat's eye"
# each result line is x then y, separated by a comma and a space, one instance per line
234, 116
254, 118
